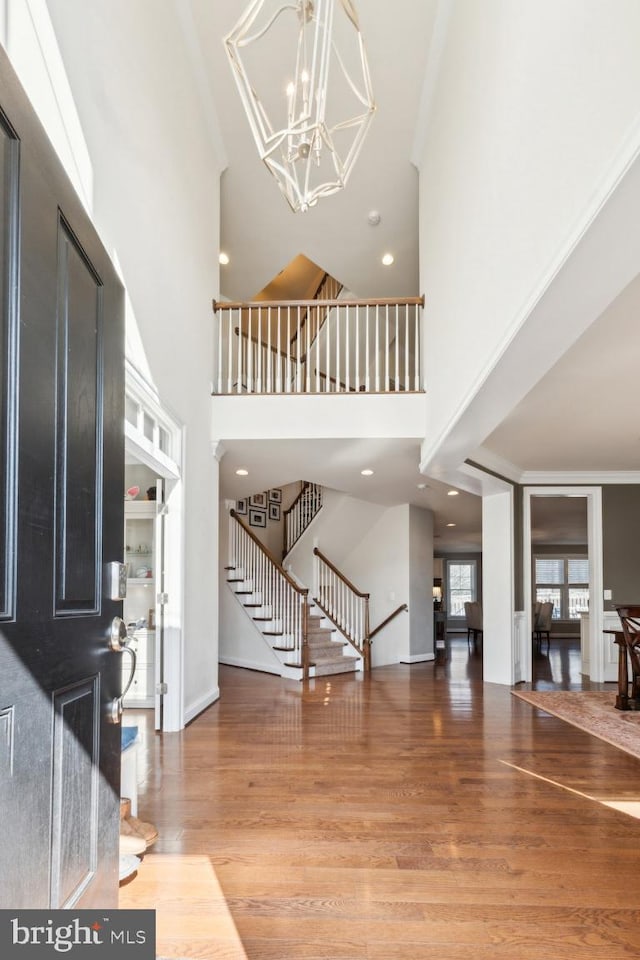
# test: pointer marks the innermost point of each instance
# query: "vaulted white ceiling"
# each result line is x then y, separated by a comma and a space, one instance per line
259, 231
580, 416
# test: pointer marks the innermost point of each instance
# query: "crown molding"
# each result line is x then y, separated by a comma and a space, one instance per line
484, 458
579, 477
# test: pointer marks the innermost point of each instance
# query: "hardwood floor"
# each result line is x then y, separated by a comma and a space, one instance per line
414, 815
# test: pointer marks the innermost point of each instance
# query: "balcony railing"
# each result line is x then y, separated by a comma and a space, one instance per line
319, 346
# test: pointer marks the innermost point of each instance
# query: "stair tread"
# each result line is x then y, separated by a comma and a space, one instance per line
329, 645
334, 659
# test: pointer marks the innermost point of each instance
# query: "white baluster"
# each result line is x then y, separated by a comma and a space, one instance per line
337, 370
220, 319
279, 368
377, 321
268, 353
316, 346
406, 378
357, 349
307, 352
259, 349
327, 351
298, 366
416, 348
241, 371
397, 354
347, 338
386, 349
250, 351
367, 358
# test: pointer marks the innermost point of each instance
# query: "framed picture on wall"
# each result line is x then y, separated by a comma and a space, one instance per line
257, 518
259, 500
274, 511
275, 496
241, 506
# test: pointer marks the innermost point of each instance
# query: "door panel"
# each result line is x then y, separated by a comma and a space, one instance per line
78, 418
75, 765
9, 167
61, 521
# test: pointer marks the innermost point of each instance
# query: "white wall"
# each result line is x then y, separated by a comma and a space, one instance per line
386, 552
534, 117
241, 644
138, 116
420, 584
336, 530
379, 565
499, 655
272, 536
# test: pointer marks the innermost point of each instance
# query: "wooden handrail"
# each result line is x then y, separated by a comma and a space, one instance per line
266, 304
395, 613
303, 591
341, 576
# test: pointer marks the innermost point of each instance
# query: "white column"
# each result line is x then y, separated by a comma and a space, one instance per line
497, 587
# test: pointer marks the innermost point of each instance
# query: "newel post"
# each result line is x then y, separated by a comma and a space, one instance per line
305, 639
367, 639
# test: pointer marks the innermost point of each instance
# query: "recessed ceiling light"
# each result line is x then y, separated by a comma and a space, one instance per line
452, 493
422, 486
367, 473
223, 258
387, 259
241, 472
451, 524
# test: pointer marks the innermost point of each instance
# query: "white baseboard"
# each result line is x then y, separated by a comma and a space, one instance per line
196, 708
418, 658
250, 665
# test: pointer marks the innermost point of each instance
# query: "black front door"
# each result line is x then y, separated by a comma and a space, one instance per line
61, 523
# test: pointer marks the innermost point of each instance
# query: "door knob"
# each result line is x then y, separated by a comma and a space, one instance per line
115, 710
118, 635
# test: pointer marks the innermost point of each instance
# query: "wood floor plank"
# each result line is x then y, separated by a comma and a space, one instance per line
413, 815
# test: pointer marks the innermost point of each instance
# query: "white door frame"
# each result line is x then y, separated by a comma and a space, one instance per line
593, 497
144, 444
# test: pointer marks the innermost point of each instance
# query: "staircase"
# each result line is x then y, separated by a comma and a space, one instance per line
327, 652
304, 640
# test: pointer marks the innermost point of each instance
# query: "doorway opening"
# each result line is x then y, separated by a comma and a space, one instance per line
562, 539
559, 588
153, 538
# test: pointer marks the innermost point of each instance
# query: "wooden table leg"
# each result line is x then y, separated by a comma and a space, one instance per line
622, 700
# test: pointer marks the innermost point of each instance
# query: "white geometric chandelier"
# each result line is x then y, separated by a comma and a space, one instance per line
302, 74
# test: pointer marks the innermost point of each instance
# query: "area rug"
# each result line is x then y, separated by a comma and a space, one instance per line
593, 712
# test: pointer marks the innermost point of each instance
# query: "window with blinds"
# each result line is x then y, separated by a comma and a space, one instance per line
461, 586
565, 582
